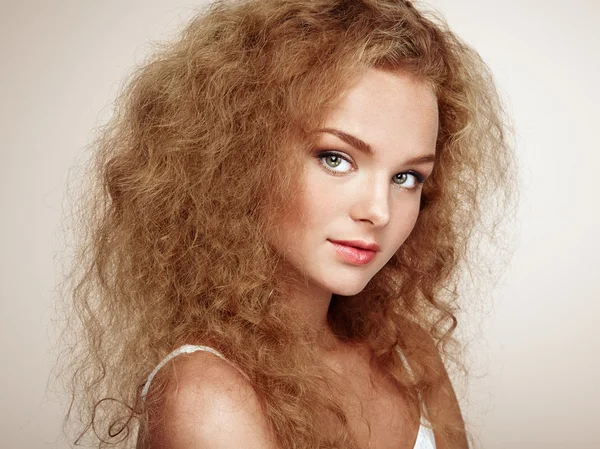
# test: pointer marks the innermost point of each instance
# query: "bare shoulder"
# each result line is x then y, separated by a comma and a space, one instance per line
207, 403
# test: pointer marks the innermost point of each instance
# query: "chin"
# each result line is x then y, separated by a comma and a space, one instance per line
348, 288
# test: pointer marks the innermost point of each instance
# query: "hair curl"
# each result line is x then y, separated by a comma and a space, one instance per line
173, 227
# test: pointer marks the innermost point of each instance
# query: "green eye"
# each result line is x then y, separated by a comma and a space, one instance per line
404, 180
333, 160
335, 163
400, 178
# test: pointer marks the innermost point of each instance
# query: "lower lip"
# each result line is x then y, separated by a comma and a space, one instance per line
353, 255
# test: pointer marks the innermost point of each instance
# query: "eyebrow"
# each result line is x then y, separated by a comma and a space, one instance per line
366, 148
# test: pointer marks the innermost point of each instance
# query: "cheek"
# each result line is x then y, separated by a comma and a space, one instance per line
319, 202
405, 225
413, 217
305, 220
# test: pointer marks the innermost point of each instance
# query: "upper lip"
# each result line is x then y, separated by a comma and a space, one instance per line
358, 244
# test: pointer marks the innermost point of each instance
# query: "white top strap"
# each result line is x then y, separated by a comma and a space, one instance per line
404, 361
185, 349
425, 438
426, 426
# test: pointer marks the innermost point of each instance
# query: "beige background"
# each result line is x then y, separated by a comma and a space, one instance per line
536, 360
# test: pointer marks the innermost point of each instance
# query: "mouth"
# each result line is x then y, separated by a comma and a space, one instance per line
353, 254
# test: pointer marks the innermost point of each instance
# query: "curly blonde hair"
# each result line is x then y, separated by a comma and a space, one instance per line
184, 193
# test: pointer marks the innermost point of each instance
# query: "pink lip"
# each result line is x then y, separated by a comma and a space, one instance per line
352, 254
360, 244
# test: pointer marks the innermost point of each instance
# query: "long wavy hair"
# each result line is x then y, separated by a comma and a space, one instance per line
195, 170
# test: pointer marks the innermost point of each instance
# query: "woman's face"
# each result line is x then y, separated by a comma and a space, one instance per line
361, 184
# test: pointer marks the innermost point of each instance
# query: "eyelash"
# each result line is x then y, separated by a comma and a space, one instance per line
419, 178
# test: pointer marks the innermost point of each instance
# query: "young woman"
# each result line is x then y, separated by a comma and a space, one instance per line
272, 250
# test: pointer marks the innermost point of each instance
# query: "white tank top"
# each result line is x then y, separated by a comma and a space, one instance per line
425, 437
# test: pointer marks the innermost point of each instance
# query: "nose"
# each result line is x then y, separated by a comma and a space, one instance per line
372, 203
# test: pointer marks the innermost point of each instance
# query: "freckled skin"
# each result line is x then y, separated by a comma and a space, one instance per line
396, 115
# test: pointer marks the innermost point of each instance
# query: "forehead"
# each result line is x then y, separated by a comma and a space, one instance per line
391, 111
